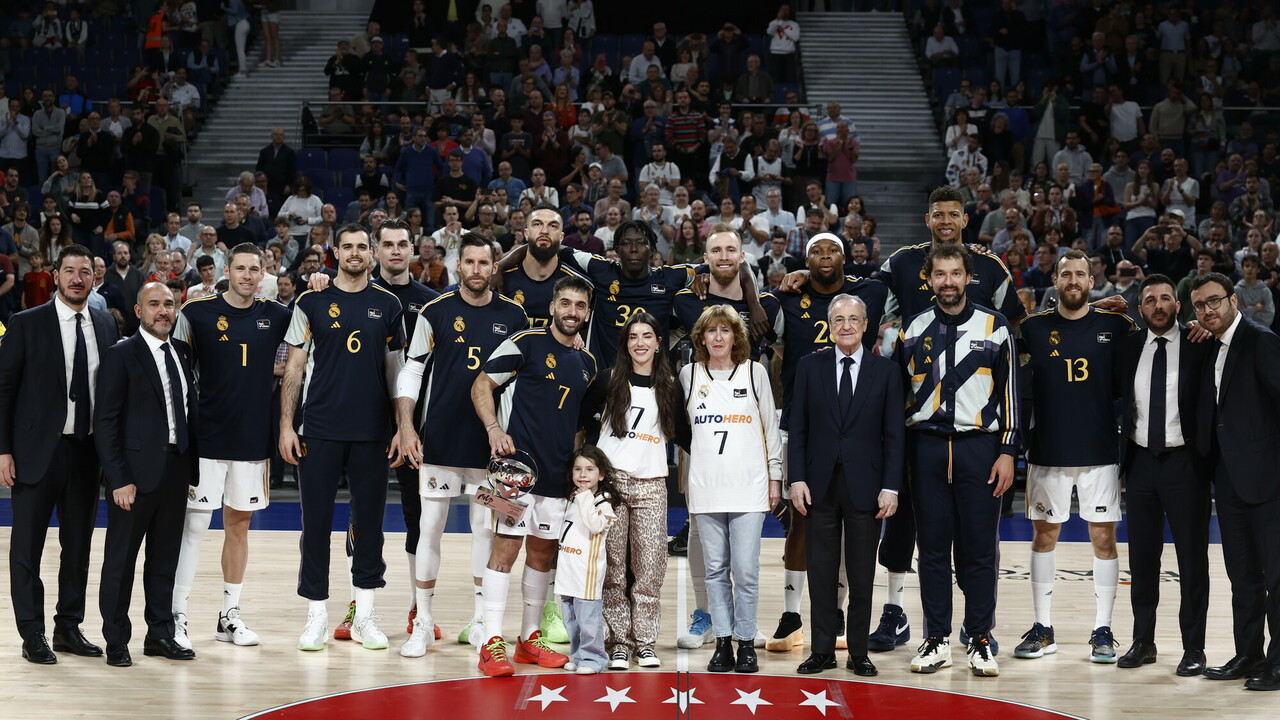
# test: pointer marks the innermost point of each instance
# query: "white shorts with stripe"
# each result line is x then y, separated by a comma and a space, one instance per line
1049, 492
436, 481
542, 519
238, 484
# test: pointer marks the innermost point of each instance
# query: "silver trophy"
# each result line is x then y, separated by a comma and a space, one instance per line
510, 479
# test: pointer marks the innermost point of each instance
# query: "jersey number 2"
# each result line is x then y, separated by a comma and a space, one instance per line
823, 336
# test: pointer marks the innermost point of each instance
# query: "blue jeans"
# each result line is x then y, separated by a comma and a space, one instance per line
731, 552
840, 192
584, 619
44, 163
1134, 227
423, 202
1008, 67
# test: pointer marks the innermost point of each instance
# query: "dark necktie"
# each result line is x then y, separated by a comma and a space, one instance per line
1157, 412
846, 387
175, 392
80, 382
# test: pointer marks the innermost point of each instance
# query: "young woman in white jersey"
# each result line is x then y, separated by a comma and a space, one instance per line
735, 475
639, 406
582, 556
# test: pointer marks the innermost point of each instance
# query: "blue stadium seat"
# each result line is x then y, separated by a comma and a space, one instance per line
125, 25
780, 90
63, 57
349, 176
340, 197
1036, 78
321, 181
755, 46
33, 56
608, 45
984, 19
310, 159
156, 206
631, 44
978, 75
97, 56
946, 80
343, 158
971, 46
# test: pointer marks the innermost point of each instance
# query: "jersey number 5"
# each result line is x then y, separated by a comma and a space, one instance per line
1077, 369
473, 357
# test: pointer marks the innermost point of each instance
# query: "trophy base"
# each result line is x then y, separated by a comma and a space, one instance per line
513, 509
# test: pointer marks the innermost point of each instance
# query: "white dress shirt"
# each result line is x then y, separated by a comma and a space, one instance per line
67, 326
156, 346
1173, 437
853, 374
1223, 349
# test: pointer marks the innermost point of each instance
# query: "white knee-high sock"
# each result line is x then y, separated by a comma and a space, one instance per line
842, 588
413, 576
430, 529
496, 583
792, 589
422, 598
351, 579
481, 538
1044, 568
1106, 576
364, 602
533, 588
897, 588
551, 583
193, 531
697, 567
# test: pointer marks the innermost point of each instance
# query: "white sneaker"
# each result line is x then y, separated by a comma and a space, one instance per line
933, 654
570, 666
981, 662
700, 631
423, 635
472, 633
365, 631
180, 631
586, 670
760, 639
619, 660
647, 658
315, 633
233, 630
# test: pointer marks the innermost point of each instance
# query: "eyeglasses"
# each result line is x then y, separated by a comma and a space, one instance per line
1212, 303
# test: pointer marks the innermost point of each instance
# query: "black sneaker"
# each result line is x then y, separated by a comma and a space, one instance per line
893, 630
678, 546
789, 634
1037, 642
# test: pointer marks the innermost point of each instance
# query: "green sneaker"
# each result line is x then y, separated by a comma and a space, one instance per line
473, 630
552, 625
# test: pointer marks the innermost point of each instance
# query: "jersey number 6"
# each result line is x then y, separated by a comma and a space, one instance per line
353, 342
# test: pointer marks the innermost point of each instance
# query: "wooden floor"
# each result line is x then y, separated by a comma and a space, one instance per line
228, 682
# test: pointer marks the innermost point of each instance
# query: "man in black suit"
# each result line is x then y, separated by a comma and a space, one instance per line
280, 164
1166, 475
46, 452
1239, 420
148, 459
846, 456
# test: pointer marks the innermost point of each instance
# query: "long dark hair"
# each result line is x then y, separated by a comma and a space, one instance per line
608, 475
618, 400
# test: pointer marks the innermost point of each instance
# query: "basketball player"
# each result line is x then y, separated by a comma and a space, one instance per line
448, 450
234, 338
1074, 444
348, 340
532, 281
545, 381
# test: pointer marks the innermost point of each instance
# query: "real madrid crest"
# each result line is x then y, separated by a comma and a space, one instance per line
518, 297
928, 344
458, 324
551, 361
431, 484
334, 310
1053, 337
614, 287
805, 302
702, 392
222, 323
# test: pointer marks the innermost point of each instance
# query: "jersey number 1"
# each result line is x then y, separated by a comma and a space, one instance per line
244, 354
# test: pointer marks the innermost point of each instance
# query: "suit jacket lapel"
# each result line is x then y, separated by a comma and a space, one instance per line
860, 390
55, 331
147, 364
1243, 332
102, 330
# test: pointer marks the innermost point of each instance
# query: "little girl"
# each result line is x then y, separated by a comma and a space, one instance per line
582, 557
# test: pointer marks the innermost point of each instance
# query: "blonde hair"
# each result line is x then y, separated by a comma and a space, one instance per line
715, 316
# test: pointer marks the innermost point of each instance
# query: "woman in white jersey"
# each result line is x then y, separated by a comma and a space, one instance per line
735, 475
639, 405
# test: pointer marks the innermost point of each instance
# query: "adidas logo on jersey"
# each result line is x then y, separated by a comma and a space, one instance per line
203, 499
804, 315
335, 324
702, 406
460, 339
222, 339
1054, 354
550, 376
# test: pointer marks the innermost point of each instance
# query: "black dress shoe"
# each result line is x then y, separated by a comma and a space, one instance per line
167, 647
118, 656
74, 642
1268, 679
1140, 653
722, 659
36, 650
746, 657
861, 665
1192, 663
1240, 666
816, 663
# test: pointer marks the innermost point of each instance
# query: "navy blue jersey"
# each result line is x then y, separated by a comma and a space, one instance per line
991, 286
687, 308
413, 297
543, 385
235, 354
455, 338
346, 336
534, 296
1074, 422
800, 320
619, 297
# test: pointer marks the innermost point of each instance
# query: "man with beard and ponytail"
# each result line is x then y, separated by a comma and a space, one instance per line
1073, 444
800, 321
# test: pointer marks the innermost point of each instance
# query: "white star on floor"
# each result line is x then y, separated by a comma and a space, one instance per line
615, 697
819, 701
546, 696
683, 699
752, 700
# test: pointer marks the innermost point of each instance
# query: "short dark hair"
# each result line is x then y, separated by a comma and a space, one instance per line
348, 228
1206, 252
544, 206
945, 193
391, 224
475, 239
308, 252
572, 282
636, 226
948, 251
1072, 254
1156, 279
73, 250
204, 261
1200, 281
244, 247
1251, 258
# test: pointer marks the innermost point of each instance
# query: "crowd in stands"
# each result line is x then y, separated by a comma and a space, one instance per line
98, 102
1144, 134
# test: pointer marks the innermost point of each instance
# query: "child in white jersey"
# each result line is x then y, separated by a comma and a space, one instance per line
582, 557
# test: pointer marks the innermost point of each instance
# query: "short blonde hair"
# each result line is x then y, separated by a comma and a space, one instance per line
715, 316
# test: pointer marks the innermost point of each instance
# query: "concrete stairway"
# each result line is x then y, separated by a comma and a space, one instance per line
270, 97
865, 62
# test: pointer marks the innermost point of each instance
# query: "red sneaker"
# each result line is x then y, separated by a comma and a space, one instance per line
493, 658
535, 650
413, 613
343, 631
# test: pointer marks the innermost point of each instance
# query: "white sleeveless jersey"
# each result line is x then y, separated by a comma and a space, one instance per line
582, 546
736, 446
642, 451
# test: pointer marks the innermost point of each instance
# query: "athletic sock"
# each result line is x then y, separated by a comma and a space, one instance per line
315, 607
481, 538
842, 588
495, 586
792, 590
477, 601
551, 585
423, 597
1106, 575
231, 595
351, 578
533, 588
364, 602
1044, 569
413, 577
195, 525
897, 588
430, 529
